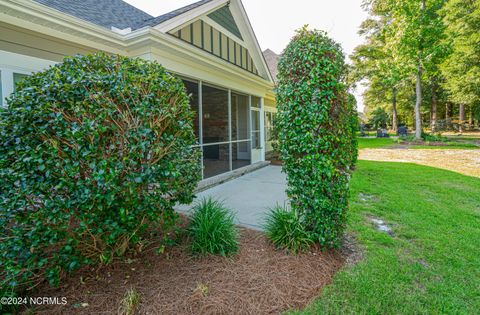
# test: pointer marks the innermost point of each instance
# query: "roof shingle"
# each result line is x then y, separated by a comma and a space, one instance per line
116, 13
272, 62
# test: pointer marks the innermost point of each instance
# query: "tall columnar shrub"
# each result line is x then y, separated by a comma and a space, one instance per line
316, 133
93, 152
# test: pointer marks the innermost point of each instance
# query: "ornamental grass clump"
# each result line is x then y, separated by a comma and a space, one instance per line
285, 229
94, 152
212, 229
316, 124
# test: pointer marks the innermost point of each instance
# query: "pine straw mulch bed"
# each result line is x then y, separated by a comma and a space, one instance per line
258, 280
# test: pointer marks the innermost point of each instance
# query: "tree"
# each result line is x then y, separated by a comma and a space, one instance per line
316, 123
403, 45
378, 118
462, 66
376, 61
418, 29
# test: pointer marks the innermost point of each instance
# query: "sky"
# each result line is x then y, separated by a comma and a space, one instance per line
275, 21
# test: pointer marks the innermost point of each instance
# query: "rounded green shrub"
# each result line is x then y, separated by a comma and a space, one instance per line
285, 229
212, 229
316, 131
94, 152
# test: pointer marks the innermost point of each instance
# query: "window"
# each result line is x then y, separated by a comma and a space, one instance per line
227, 126
192, 91
256, 129
17, 77
269, 124
1, 95
216, 134
8, 83
240, 138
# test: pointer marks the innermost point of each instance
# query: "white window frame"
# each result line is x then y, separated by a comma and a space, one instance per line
8, 85
11, 63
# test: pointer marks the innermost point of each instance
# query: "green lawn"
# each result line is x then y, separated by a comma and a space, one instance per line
376, 143
432, 263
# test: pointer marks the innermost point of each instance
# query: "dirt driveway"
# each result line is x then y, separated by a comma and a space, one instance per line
462, 161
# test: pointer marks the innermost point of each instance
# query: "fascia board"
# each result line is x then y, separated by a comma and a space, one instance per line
240, 16
223, 30
186, 17
41, 18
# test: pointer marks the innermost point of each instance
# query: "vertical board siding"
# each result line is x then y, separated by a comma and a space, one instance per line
216, 42
224, 47
220, 44
202, 30
235, 53
204, 36
197, 34
186, 35
239, 56
207, 37
244, 58
231, 50
191, 33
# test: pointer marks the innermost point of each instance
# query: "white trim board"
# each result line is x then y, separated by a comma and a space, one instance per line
185, 18
240, 16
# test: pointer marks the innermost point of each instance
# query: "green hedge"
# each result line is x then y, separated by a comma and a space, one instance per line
94, 151
316, 131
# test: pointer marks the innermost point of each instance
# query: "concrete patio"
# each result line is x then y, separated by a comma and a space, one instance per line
249, 196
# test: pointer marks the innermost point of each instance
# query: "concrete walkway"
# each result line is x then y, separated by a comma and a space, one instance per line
249, 196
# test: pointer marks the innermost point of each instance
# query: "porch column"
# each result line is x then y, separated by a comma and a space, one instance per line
200, 123
230, 162
262, 128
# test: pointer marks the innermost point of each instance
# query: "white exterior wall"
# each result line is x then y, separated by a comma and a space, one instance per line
11, 63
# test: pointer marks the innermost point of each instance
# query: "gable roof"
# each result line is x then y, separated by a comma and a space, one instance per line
224, 17
272, 62
125, 17
162, 18
114, 13
106, 13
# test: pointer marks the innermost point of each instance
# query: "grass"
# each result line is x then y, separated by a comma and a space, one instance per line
431, 264
212, 229
129, 302
377, 143
285, 230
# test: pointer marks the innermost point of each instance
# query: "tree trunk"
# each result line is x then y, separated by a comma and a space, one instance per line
461, 119
433, 117
394, 110
447, 116
418, 103
470, 120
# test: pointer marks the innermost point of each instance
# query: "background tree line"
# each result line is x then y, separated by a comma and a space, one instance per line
421, 63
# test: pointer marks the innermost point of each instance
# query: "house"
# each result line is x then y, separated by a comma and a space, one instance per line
209, 44
272, 59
